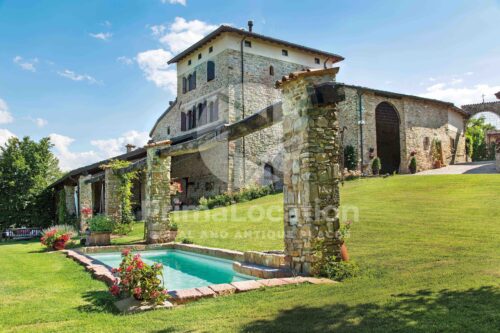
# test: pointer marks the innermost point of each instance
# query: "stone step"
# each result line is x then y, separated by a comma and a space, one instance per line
260, 271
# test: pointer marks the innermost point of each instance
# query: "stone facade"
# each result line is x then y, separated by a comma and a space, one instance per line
311, 173
85, 198
112, 203
497, 155
158, 196
244, 161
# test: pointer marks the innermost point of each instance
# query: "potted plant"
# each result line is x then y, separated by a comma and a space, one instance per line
376, 166
57, 237
344, 233
139, 280
172, 231
100, 227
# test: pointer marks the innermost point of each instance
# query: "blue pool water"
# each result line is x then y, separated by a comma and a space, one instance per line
181, 269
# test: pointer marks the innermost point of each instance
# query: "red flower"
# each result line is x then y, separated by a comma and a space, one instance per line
140, 264
137, 291
158, 266
129, 268
114, 290
137, 257
125, 252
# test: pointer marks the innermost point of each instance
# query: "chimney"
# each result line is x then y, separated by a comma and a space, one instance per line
250, 25
129, 148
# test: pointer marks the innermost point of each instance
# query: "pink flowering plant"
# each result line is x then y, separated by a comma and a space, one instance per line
144, 282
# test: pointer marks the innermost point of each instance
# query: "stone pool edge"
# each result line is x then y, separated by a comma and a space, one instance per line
181, 296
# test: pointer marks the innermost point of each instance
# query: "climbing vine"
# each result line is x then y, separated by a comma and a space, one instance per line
62, 213
124, 193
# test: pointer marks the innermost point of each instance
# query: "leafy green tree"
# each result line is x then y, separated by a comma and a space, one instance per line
476, 135
26, 169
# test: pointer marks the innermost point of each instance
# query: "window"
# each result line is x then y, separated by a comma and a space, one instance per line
316, 61
189, 120
210, 70
168, 130
193, 117
284, 52
248, 43
210, 49
199, 56
184, 85
189, 62
202, 113
190, 82
271, 70
183, 121
194, 80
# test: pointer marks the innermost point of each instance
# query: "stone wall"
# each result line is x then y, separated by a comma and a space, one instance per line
498, 159
158, 195
85, 198
69, 192
112, 203
311, 173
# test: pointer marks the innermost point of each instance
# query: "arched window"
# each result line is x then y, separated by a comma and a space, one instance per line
184, 85
194, 80
210, 70
271, 70
200, 114
183, 121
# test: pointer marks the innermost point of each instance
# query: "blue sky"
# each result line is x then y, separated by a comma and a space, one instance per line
92, 73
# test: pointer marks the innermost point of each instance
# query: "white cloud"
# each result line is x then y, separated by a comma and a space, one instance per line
102, 35
183, 34
69, 160
114, 147
469, 73
173, 2
5, 134
158, 29
78, 77
456, 81
5, 116
125, 60
154, 65
27, 65
39, 122
106, 23
461, 95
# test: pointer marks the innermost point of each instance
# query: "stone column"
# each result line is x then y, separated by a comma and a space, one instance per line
69, 192
85, 198
112, 202
158, 194
311, 167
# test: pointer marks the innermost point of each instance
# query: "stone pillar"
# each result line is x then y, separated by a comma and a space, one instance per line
112, 202
311, 167
69, 192
158, 195
498, 159
85, 199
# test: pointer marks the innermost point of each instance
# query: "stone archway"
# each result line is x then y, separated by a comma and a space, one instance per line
388, 137
473, 109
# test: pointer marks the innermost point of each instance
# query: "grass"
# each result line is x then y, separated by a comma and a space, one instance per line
428, 248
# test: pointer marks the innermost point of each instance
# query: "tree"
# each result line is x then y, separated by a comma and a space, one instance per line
476, 136
27, 168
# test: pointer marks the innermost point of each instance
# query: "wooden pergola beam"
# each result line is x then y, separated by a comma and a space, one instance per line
256, 122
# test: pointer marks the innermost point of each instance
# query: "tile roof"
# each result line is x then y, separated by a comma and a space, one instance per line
245, 33
306, 72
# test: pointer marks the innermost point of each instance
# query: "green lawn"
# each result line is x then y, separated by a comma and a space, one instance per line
428, 247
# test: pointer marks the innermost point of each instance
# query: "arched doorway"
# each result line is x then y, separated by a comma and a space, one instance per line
388, 141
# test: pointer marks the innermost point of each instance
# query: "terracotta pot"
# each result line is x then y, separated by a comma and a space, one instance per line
99, 239
344, 254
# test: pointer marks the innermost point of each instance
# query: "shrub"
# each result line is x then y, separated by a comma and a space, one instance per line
226, 199
56, 239
376, 166
339, 270
173, 226
63, 228
101, 223
350, 158
413, 165
186, 241
142, 281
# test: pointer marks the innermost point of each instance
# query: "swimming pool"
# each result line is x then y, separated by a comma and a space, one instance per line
182, 269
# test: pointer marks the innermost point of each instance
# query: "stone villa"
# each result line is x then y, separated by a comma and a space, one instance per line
229, 77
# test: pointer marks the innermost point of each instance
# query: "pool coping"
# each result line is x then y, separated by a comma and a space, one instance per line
177, 297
